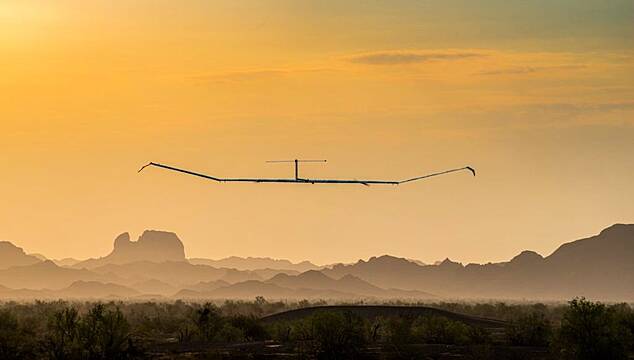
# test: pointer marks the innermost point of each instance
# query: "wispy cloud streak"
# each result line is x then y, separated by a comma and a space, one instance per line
409, 57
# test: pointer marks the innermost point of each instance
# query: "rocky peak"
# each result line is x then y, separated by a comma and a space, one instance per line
618, 230
11, 255
448, 264
122, 241
526, 257
152, 245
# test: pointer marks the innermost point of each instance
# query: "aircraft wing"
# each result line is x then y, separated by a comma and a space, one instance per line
305, 181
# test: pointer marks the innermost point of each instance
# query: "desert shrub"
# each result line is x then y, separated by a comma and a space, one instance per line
374, 329
100, 334
591, 330
16, 341
502, 311
105, 334
478, 336
529, 330
8, 334
208, 321
625, 320
333, 335
398, 330
230, 334
160, 320
280, 331
439, 330
250, 327
62, 341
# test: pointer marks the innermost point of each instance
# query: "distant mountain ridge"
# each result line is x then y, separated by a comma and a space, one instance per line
47, 275
255, 263
599, 267
347, 284
11, 255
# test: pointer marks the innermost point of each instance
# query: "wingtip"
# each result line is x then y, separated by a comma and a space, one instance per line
471, 169
143, 167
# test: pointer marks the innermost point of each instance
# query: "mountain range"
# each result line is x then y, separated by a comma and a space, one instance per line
155, 266
601, 266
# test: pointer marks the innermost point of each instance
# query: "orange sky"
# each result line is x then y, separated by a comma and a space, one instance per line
539, 97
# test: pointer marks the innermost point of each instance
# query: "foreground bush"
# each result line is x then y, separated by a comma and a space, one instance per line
330, 335
440, 330
208, 321
61, 330
100, 334
593, 331
530, 330
16, 341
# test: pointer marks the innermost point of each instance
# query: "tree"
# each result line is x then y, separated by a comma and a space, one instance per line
590, 330
208, 321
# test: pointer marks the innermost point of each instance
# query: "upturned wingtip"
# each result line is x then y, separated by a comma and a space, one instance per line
143, 167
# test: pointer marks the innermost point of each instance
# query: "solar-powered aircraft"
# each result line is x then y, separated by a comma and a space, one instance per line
299, 180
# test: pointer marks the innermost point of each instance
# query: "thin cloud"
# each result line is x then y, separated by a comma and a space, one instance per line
409, 57
587, 108
529, 69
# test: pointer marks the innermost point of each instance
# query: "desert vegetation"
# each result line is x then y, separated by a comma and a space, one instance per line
580, 329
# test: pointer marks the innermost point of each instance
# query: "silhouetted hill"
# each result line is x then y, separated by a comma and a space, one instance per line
252, 288
155, 246
371, 312
233, 276
76, 290
600, 266
383, 271
47, 275
66, 262
347, 284
38, 256
154, 287
612, 248
26, 294
207, 286
269, 273
175, 273
255, 263
11, 255
95, 289
526, 259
